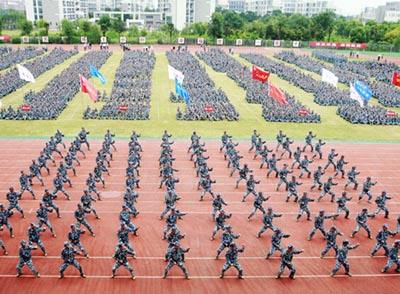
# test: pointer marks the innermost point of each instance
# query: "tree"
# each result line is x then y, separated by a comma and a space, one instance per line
323, 25
68, 30
85, 25
105, 23
358, 35
133, 32
169, 29
215, 28
232, 22
94, 34
118, 25
44, 25
26, 27
1, 24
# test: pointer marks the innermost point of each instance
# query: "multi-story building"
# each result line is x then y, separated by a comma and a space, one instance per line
260, 7
34, 9
12, 4
305, 7
237, 5
224, 4
389, 12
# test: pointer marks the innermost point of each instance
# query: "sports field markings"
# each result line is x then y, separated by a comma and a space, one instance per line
210, 277
200, 257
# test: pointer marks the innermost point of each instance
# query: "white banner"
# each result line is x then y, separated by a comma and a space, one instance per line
83, 40
258, 42
239, 42
25, 39
103, 39
25, 74
355, 96
122, 40
296, 44
45, 39
142, 40
200, 41
220, 42
181, 41
173, 74
329, 77
277, 43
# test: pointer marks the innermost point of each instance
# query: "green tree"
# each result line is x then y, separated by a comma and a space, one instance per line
133, 32
1, 24
232, 23
105, 23
44, 26
169, 29
85, 26
94, 34
68, 30
215, 28
323, 25
26, 27
358, 34
118, 25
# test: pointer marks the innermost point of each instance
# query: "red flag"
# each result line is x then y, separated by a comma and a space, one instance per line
123, 108
259, 74
87, 87
25, 108
396, 79
277, 94
208, 108
391, 113
303, 112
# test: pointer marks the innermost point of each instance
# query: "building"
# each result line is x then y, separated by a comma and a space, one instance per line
237, 5
182, 13
34, 9
305, 7
224, 4
54, 11
260, 7
390, 12
12, 4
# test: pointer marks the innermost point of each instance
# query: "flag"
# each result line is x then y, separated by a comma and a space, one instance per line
87, 87
25, 74
391, 113
277, 94
208, 108
363, 90
355, 96
181, 91
25, 108
95, 73
303, 112
174, 74
259, 74
396, 79
123, 108
329, 77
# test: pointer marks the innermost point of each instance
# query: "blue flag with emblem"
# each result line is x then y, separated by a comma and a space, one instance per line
363, 90
95, 73
181, 91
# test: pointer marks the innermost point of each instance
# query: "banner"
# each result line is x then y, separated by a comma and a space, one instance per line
363, 90
391, 113
277, 94
239, 42
181, 92
200, 41
259, 74
396, 79
95, 73
338, 45
277, 43
329, 77
208, 108
174, 74
220, 42
123, 108
122, 40
25, 39
25, 74
355, 96
181, 41
303, 112
87, 87
83, 40
103, 39
26, 108
45, 39
257, 43
296, 44
142, 40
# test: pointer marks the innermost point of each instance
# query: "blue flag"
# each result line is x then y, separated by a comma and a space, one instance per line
182, 92
363, 90
95, 73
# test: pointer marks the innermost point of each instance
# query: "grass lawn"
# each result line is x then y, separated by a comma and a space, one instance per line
162, 115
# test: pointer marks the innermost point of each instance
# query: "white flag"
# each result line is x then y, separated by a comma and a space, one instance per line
329, 77
355, 96
25, 74
175, 74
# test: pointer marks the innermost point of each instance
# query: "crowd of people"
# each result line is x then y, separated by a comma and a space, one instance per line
10, 80
377, 74
130, 95
205, 101
49, 102
256, 92
326, 94
11, 57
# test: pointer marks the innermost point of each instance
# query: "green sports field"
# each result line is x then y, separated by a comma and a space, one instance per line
332, 128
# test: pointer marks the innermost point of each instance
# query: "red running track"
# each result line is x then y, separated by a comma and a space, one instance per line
381, 161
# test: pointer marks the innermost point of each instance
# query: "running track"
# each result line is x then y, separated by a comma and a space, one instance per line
379, 161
